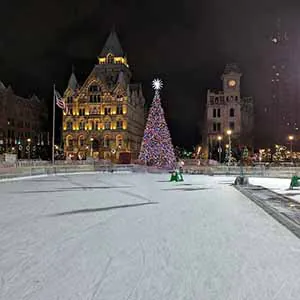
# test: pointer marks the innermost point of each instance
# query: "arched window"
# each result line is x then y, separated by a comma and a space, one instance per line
69, 125
231, 112
81, 141
81, 125
110, 58
119, 124
93, 88
107, 125
69, 141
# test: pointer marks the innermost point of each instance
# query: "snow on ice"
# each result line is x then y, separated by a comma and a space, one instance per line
137, 236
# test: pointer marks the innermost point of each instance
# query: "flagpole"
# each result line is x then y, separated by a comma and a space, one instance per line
53, 126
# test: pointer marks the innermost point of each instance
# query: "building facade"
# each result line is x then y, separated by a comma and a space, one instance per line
277, 88
227, 112
105, 117
23, 124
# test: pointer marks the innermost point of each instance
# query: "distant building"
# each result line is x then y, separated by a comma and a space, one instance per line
227, 110
277, 88
23, 123
105, 117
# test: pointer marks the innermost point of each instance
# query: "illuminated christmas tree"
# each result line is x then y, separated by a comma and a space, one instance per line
157, 148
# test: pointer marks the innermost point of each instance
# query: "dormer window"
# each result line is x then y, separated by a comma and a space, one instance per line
110, 58
94, 88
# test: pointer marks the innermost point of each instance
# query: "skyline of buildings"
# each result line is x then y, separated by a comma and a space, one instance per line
276, 104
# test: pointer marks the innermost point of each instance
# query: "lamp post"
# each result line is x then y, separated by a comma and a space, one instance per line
219, 148
229, 132
28, 147
291, 139
91, 140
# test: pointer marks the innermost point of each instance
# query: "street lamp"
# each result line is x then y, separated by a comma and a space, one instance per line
28, 147
229, 132
91, 139
220, 149
291, 139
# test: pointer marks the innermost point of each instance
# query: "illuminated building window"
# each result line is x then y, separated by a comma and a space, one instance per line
81, 125
69, 141
119, 141
231, 112
94, 88
119, 124
119, 109
95, 98
110, 59
81, 141
107, 111
69, 125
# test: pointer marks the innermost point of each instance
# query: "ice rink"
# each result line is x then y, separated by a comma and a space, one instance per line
140, 237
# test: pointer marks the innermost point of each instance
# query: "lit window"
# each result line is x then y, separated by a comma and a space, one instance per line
119, 124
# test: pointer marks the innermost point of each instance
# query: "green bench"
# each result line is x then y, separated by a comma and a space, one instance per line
295, 182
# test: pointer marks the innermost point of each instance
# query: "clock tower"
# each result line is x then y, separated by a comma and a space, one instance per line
227, 111
231, 80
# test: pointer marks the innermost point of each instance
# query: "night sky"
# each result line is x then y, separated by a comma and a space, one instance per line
186, 43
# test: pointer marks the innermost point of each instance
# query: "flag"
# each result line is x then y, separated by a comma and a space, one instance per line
59, 100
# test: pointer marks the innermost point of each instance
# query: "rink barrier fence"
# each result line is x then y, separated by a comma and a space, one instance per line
31, 168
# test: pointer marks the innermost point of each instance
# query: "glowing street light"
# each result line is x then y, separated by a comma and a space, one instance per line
291, 139
91, 139
220, 149
229, 133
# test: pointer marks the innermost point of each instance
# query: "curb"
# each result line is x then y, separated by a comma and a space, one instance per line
284, 220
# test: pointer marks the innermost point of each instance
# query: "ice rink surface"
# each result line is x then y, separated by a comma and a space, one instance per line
138, 236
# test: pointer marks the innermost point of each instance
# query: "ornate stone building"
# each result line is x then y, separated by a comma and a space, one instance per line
227, 110
23, 123
105, 117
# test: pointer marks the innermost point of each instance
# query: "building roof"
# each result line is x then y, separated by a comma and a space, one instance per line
73, 84
112, 45
232, 68
2, 86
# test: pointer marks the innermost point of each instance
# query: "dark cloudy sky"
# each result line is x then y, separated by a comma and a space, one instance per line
187, 43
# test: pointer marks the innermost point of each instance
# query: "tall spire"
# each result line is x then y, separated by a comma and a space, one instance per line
112, 45
73, 84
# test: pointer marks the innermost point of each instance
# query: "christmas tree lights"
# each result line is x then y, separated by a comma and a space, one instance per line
157, 148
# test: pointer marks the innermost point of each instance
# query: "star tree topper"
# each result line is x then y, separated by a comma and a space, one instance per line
157, 84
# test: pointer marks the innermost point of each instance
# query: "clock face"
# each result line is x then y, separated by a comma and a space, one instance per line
232, 83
